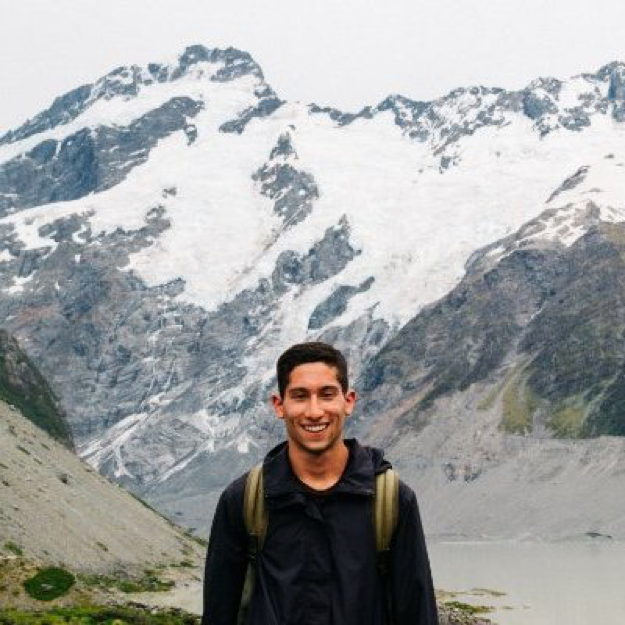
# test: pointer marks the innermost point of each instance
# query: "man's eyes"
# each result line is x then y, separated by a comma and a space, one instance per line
329, 394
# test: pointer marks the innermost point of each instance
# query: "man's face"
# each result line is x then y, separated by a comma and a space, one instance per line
314, 407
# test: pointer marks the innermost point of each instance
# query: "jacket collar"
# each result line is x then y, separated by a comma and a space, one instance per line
358, 477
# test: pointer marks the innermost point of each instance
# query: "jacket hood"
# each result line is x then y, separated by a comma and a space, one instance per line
358, 478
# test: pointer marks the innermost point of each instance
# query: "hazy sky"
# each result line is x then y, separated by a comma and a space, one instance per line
345, 53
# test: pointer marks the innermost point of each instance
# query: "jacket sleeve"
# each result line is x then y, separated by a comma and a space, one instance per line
412, 589
226, 559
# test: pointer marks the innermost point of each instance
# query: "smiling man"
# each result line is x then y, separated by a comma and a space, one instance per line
318, 563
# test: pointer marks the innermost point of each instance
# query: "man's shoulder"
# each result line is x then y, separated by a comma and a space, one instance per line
229, 512
236, 489
407, 495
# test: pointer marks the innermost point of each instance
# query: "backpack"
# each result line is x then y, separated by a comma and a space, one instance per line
385, 516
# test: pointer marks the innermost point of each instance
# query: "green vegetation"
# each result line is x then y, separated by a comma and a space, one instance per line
609, 417
49, 584
197, 539
567, 421
150, 582
145, 504
14, 548
519, 405
468, 608
24, 387
488, 591
97, 615
487, 402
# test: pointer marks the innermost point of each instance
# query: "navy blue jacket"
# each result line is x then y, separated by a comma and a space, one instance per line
318, 562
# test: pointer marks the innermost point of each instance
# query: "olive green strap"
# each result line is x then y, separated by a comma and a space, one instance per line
386, 508
386, 514
254, 513
255, 518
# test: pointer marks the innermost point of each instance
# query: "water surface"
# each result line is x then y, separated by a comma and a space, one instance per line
566, 583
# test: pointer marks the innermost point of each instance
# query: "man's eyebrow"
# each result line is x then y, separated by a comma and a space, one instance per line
322, 389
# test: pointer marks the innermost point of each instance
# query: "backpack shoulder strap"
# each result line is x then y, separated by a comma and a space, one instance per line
386, 508
255, 519
385, 517
254, 512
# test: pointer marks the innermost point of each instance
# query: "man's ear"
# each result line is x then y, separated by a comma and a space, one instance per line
278, 405
350, 401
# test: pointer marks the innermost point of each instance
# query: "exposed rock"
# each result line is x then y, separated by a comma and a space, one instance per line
336, 304
89, 160
293, 191
561, 309
266, 106
24, 387
126, 82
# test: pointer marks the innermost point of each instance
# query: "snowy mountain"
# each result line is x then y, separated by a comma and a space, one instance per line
167, 231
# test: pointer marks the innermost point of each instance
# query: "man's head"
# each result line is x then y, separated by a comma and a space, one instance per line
304, 353
314, 398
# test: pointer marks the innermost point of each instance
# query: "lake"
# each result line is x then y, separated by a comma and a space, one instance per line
565, 583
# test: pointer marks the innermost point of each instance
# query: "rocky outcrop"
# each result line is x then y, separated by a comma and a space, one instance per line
545, 102
90, 160
128, 82
556, 311
22, 386
292, 190
268, 103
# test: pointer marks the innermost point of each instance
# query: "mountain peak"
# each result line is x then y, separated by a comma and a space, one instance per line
127, 81
608, 70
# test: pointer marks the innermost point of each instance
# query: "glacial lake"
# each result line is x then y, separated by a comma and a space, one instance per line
567, 583
564, 583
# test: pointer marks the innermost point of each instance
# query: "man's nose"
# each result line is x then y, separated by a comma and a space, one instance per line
315, 410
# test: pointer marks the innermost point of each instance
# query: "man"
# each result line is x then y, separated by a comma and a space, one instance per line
318, 562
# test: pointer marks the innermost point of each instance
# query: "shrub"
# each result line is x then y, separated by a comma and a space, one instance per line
97, 615
49, 584
469, 608
14, 548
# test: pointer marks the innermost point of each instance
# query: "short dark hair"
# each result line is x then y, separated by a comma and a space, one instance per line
304, 353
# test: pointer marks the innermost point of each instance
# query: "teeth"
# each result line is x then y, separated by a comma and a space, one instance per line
315, 428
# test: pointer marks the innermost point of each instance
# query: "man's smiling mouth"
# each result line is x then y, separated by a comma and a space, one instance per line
316, 428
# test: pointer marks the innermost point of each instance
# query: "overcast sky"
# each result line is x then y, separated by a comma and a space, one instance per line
345, 53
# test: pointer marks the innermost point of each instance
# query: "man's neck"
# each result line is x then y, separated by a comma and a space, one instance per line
319, 471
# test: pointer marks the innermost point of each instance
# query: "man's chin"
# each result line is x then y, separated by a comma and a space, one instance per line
316, 449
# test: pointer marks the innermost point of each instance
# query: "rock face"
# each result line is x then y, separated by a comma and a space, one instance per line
90, 160
166, 232
556, 312
56, 509
23, 386
526, 350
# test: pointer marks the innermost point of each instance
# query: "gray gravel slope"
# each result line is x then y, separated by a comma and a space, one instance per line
57, 509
